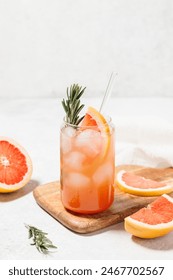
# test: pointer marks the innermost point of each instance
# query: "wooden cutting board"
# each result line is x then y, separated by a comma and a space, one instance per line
48, 197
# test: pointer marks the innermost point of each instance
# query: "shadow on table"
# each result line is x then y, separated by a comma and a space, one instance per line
160, 243
5, 197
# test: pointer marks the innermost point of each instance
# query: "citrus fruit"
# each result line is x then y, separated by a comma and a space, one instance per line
152, 221
15, 166
95, 120
138, 185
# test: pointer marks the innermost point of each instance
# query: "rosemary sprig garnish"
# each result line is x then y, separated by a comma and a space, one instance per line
72, 105
40, 241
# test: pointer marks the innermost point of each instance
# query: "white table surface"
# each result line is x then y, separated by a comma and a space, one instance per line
35, 124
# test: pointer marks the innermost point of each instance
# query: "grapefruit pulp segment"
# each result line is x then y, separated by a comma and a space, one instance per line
88, 121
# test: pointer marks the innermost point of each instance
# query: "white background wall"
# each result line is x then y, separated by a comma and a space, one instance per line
45, 45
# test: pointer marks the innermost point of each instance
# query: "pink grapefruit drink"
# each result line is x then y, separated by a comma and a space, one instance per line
87, 164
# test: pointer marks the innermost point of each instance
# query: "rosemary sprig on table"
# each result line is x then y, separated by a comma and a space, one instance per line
40, 241
72, 104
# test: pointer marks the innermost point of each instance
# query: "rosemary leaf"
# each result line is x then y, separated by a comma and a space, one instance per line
40, 240
79, 109
78, 121
72, 105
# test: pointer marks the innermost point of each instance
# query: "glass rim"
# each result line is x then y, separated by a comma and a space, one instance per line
108, 122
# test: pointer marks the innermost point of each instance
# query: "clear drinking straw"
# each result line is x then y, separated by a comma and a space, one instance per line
108, 91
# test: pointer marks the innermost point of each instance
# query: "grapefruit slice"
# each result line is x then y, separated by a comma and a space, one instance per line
15, 166
137, 185
153, 221
94, 120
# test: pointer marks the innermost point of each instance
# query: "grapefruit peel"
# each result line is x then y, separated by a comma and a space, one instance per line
140, 191
145, 230
9, 168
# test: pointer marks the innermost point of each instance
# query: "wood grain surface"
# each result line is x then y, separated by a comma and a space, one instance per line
48, 197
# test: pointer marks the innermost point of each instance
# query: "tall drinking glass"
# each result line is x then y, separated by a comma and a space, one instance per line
87, 167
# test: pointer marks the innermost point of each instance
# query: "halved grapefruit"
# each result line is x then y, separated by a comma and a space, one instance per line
95, 120
138, 185
15, 166
153, 221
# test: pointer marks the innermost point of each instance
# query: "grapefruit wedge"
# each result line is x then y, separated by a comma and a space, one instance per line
95, 120
137, 185
153, 221
15, 166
